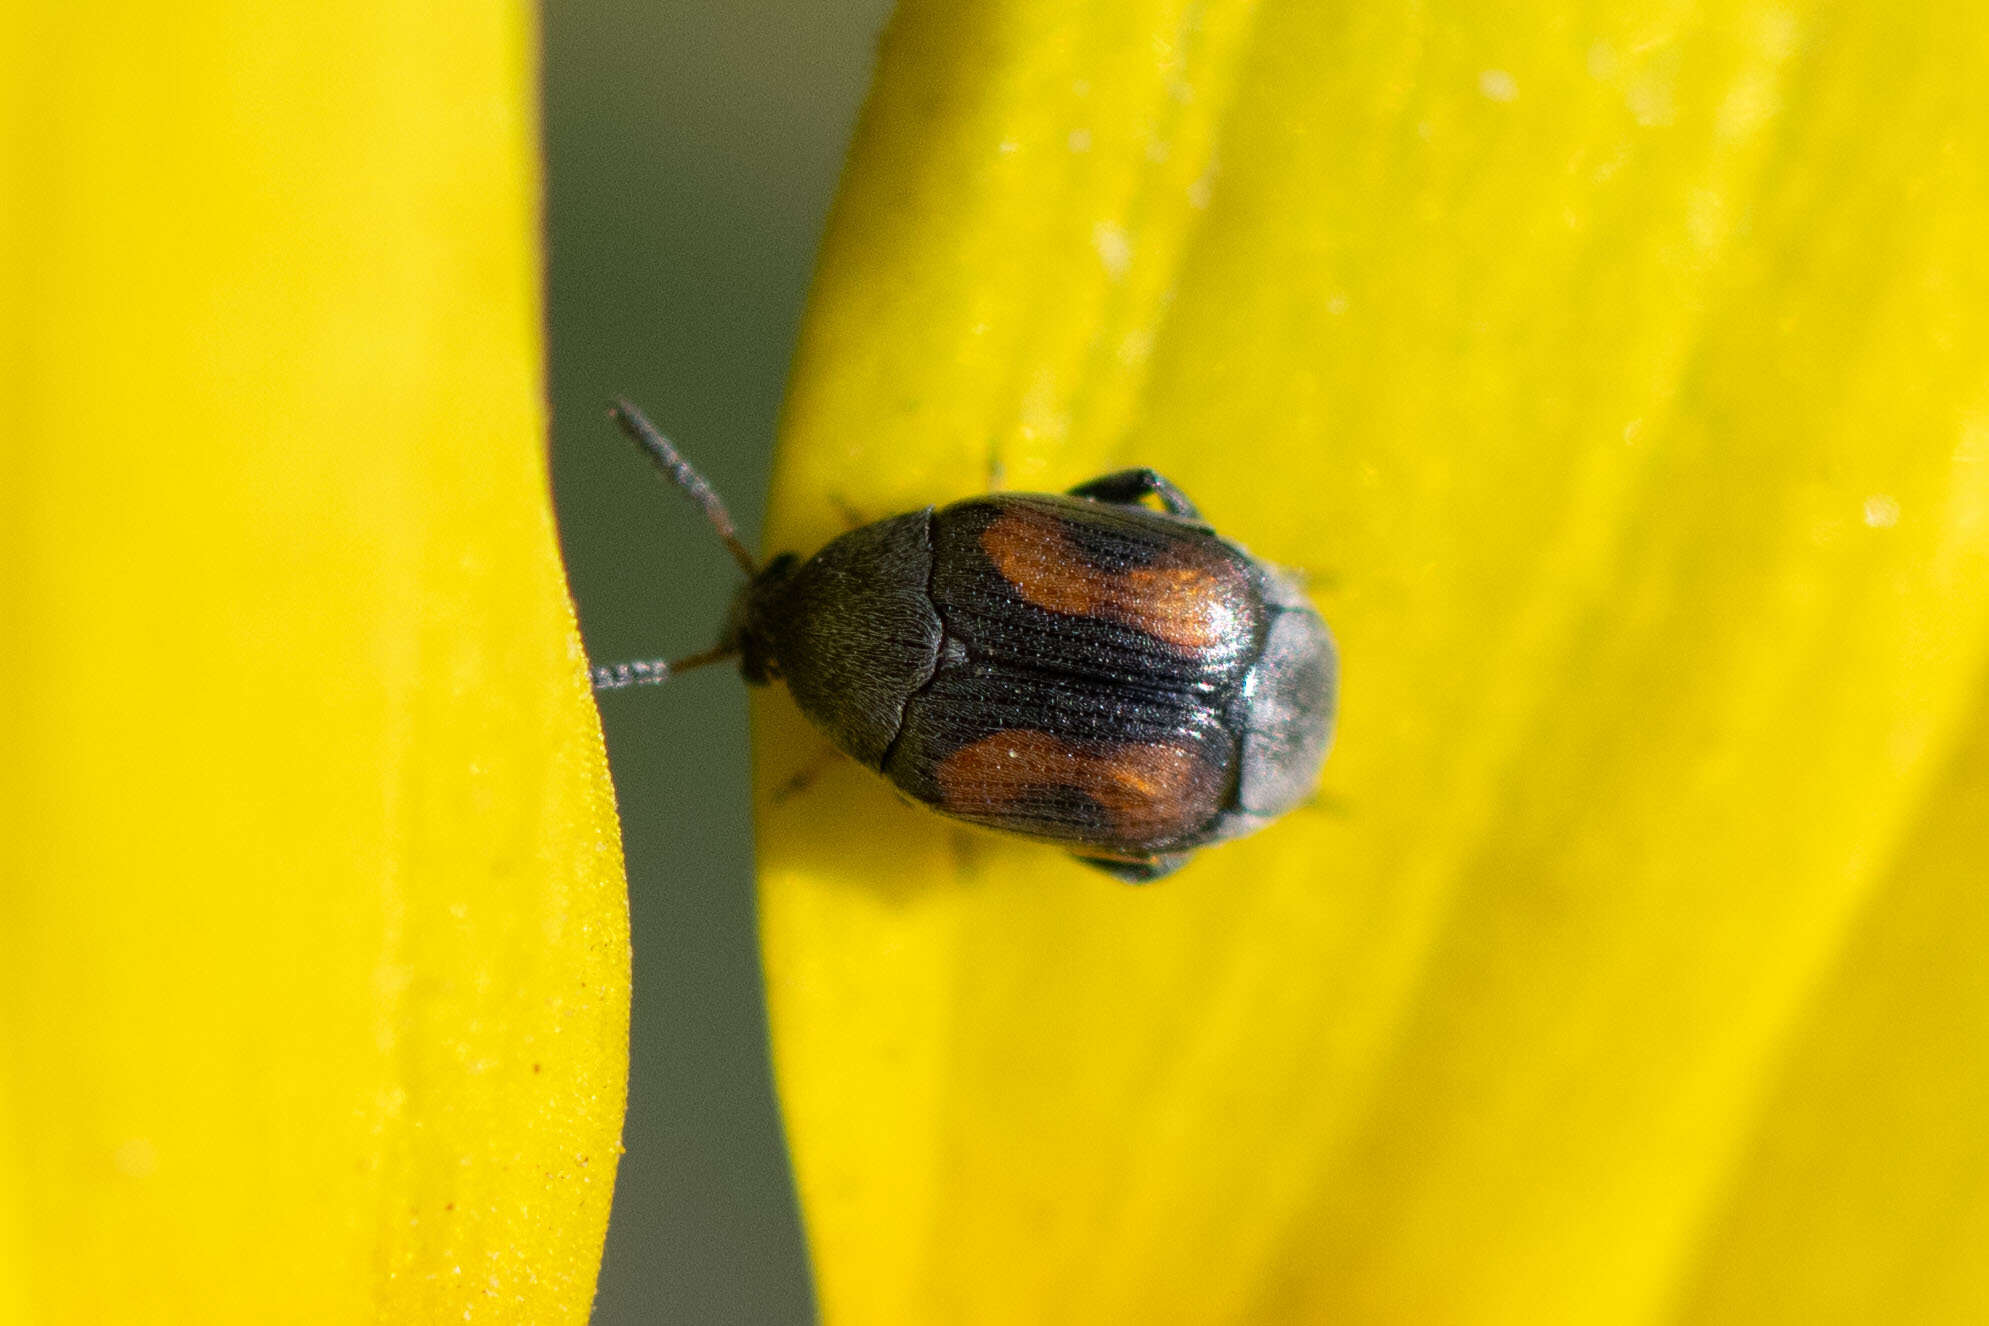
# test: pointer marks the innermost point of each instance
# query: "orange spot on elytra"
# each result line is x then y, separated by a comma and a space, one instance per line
1151, 791
1181, 598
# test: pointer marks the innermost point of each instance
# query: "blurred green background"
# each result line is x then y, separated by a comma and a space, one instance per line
692, 151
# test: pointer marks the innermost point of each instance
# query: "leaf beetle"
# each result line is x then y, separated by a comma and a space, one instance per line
1077, 668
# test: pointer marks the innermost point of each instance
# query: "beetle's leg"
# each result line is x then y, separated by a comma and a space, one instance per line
804, 778
848, 514
1128, 487
1137, 872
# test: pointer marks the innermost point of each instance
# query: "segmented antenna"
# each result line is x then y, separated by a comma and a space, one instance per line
656, 671
653, 671
644, 434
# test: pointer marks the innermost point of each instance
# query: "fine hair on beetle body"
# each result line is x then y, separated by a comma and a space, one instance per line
1077, 668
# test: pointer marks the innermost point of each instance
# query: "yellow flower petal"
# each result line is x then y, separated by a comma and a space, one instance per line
313, 947
1623, 381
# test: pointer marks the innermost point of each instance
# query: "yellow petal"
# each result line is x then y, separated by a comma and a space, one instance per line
1622, 379
313, 948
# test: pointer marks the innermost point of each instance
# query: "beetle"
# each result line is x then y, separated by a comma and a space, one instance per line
1077, 668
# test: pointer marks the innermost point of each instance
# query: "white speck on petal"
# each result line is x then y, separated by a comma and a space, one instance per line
1498, 85
1650, 102
1080, 140
1115, 247
1135, 346
1974, 445
136, 1158
1778, 33
1881, 511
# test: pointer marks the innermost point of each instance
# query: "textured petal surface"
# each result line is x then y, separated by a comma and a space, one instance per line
313, 941
1621, 377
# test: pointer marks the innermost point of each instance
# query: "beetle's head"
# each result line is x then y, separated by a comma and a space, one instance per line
751, 627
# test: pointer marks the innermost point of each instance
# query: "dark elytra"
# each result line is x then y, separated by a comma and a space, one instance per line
1075, 668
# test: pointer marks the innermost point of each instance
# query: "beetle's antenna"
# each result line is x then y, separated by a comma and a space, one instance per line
654, 671
644, 434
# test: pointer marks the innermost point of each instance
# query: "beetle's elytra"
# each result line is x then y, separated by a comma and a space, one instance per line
1076, 668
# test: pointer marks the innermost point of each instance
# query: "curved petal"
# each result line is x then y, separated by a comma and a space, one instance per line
313, 946
1622, 378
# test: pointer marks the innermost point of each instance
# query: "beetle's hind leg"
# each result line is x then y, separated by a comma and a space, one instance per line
1137, 872
804, 778
1131, 487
